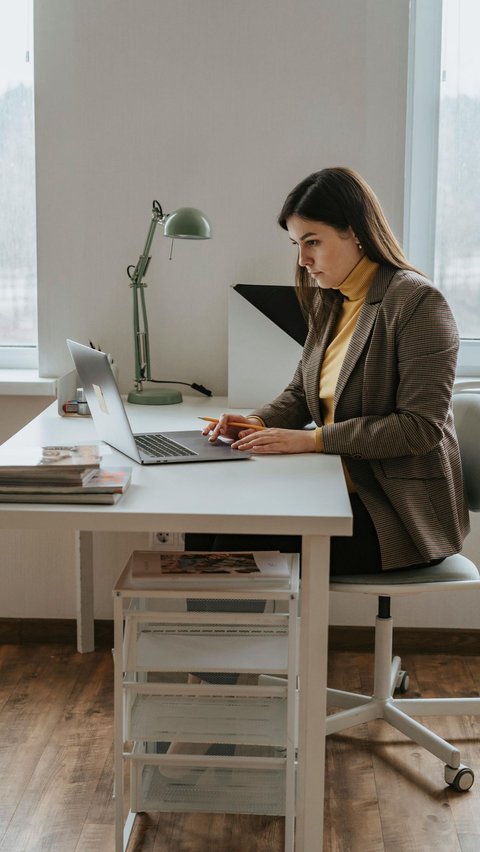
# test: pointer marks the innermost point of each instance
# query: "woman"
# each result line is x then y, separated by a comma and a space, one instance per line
376, 378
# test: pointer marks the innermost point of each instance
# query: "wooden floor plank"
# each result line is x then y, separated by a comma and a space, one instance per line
352, 824
96, 838
207, 832
58, 751
383, 793
412, 797
418, 812
27, 721
358, 784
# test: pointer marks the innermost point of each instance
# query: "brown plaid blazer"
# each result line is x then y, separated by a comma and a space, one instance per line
393, 421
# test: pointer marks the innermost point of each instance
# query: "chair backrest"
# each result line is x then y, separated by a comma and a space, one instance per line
466, 412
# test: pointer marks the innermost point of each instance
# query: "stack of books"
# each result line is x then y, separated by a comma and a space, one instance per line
51, 474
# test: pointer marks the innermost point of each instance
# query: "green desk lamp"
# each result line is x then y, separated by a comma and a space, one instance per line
186, 223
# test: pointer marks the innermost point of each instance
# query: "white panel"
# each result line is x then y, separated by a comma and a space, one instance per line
261, 357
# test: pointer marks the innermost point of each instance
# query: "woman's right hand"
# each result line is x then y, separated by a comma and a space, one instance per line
225, 429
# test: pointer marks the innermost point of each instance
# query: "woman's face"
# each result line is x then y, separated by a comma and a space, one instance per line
328, 255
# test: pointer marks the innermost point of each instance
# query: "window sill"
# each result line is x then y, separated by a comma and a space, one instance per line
26, 383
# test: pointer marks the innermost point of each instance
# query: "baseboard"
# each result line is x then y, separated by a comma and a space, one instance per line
407, 640
19, 631
61, 631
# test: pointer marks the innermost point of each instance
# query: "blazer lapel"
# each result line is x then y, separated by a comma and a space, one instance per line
359, 340
312, 377
363, 328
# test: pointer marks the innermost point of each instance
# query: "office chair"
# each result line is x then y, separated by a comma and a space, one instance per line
455, 572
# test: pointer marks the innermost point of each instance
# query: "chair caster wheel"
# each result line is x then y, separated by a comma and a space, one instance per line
403, 682
460, 779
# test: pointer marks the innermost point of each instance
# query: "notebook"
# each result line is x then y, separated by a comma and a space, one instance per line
113, 427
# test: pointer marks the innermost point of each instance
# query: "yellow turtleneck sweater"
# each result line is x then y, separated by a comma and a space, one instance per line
354, 289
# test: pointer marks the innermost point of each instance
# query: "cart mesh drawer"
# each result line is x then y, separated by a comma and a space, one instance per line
207, 647
223, 719
213, 790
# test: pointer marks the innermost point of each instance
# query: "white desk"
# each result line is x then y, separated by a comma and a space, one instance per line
294, 495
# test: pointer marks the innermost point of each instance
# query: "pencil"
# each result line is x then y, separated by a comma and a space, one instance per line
232, 423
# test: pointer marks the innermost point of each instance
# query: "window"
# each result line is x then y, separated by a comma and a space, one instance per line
18, 285
457, 235
442, 198
443, 159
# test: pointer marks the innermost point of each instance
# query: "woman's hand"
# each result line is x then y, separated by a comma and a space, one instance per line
277, 441
225, 429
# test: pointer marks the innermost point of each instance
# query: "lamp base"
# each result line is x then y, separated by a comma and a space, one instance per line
155, 396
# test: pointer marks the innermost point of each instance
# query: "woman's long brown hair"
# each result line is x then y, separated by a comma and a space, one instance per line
339, 197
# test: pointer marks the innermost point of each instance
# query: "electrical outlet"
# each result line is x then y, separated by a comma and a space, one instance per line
167, 541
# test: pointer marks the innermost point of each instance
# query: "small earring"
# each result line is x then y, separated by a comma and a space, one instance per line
359, 246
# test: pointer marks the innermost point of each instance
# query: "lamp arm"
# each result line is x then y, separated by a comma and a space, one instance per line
140, 321
145, 338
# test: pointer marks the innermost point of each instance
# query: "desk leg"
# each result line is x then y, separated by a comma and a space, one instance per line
84, 590
118, 723
313, 685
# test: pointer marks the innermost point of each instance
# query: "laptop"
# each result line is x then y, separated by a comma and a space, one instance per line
113, 427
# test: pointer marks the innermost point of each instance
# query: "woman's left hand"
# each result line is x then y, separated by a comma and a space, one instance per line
278, 441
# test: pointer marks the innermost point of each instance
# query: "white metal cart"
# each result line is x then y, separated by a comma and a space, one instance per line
157, 642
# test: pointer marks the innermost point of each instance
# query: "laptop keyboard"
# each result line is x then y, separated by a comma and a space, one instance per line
159, 445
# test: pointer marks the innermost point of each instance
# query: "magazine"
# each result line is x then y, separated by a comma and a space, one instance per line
188, 565
78, 497
103, 480
74, 463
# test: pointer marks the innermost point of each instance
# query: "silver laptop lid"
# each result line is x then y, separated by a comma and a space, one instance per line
103, 397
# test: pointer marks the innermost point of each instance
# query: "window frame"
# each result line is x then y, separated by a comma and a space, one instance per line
24, 356
421, 150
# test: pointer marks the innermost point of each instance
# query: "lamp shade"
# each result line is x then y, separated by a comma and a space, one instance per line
187, 223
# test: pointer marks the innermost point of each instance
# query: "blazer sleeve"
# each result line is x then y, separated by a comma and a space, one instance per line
426, 347
289, 410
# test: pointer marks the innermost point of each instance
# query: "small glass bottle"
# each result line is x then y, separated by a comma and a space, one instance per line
82, 402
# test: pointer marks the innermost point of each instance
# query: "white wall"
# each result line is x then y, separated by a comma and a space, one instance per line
220, 104
15, 411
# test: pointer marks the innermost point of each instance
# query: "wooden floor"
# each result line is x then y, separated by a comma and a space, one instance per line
383, 794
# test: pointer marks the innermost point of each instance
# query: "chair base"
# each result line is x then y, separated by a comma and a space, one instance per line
357, 708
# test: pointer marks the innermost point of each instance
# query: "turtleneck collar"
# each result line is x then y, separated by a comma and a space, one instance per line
356, 284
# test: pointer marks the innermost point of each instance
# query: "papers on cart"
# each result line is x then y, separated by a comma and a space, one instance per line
174, 568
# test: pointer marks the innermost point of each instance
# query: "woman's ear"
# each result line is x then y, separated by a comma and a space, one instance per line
355, 238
